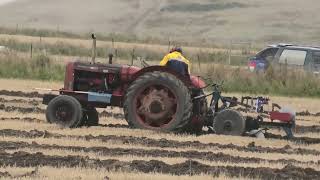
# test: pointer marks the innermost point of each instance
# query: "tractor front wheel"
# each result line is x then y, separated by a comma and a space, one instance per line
65, 111
158, 101
229, 122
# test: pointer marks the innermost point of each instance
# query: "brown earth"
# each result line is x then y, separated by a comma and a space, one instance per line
166, 155
24, 159
209, 156
161, 143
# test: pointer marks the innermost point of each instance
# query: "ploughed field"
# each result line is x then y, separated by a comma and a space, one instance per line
30, 148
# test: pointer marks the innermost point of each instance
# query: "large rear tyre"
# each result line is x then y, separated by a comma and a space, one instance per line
158, 101
229, 122
90, 117
65, 111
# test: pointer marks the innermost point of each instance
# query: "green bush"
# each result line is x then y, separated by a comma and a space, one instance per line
39, 67
293, 83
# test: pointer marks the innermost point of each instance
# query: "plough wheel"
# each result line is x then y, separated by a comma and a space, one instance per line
229, 122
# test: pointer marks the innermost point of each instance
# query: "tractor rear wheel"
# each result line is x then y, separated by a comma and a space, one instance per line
90, 117
158, 101
65, 111
229, 122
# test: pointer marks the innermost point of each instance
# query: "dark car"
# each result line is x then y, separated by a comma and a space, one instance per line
305, 57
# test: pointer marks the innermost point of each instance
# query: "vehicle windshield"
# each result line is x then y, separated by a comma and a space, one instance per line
268, 53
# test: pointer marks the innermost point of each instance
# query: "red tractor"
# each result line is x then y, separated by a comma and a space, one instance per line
154, 97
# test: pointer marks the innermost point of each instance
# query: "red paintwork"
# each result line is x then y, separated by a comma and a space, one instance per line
197, 82
162, 69
118, 92
192, 82
127, 72
68, 82
284, 117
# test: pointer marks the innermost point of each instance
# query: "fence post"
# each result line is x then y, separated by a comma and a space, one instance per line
31, 50
198, 57
132, 56
229, 57
112, 40
115, 54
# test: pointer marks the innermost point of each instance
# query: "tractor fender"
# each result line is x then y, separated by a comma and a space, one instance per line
192, 82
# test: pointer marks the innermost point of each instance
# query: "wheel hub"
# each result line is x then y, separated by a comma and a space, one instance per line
62, 113
156, 106
228, 126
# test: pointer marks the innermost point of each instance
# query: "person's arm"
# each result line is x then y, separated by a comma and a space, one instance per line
164, 61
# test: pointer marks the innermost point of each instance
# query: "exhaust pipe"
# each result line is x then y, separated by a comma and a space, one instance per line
94, 47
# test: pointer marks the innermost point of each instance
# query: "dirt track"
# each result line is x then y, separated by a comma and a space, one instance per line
196, 156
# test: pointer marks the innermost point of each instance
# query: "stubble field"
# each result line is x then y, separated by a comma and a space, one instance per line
33, 149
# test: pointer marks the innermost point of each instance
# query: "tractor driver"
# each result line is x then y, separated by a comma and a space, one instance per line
176, 61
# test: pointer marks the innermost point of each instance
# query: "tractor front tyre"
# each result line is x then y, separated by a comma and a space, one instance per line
90, 117
65, 111
229, 122
158, 101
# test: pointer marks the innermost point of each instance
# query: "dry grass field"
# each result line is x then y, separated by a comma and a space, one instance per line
203, 20
30, 148
117, 45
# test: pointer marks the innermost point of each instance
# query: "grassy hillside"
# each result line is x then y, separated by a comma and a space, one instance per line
216, 21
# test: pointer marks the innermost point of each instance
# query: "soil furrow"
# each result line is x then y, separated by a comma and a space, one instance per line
299, 129
301, 113
23, 110
161, 143
21, 94
38, 95
302, 140
23, 159
29, 110
27, 119
22, 101
298, 140
209, 156
307, 129
35, 120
